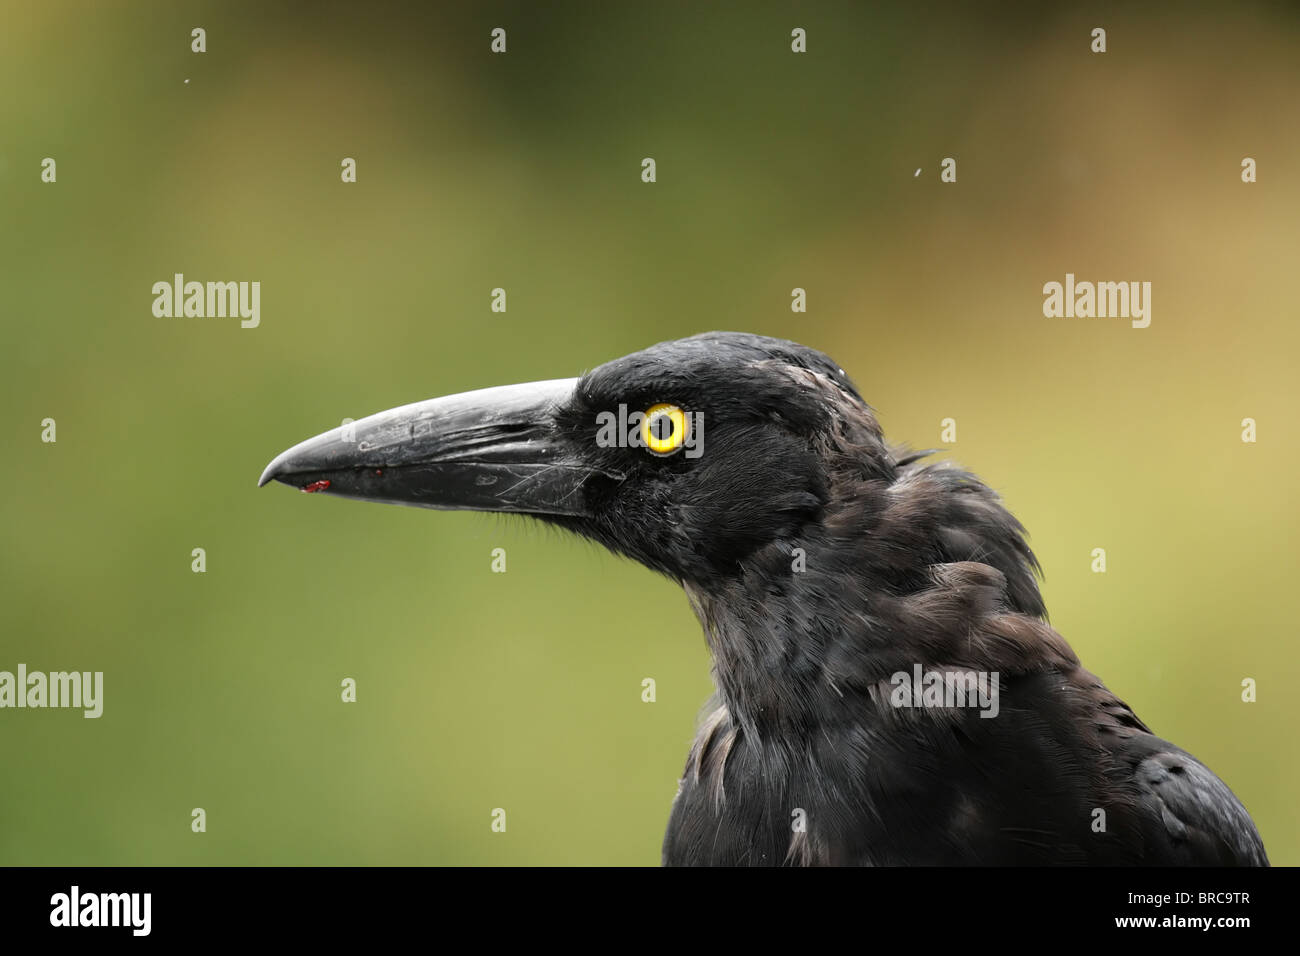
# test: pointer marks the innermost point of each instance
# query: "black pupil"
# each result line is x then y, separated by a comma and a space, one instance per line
662, 427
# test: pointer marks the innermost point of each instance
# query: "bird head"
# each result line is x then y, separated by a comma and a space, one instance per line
690, 456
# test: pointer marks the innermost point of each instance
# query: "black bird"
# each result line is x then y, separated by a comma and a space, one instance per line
838, 580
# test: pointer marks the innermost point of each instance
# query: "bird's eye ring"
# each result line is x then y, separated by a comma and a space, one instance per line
663, 428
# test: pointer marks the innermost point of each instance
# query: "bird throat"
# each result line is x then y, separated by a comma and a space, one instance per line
890, 579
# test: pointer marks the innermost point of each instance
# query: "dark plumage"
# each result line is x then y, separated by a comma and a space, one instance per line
821, 562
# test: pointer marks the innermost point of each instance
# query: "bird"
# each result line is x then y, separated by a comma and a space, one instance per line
889, 691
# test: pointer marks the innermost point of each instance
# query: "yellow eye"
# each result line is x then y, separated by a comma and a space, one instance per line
663, 429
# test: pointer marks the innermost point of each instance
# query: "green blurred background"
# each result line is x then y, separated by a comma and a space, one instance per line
522, 171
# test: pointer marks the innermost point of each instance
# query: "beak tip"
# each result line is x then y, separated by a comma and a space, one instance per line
270, 473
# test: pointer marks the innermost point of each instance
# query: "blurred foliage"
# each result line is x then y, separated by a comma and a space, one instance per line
522, 690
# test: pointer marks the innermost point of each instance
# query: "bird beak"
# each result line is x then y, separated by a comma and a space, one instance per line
495, 449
